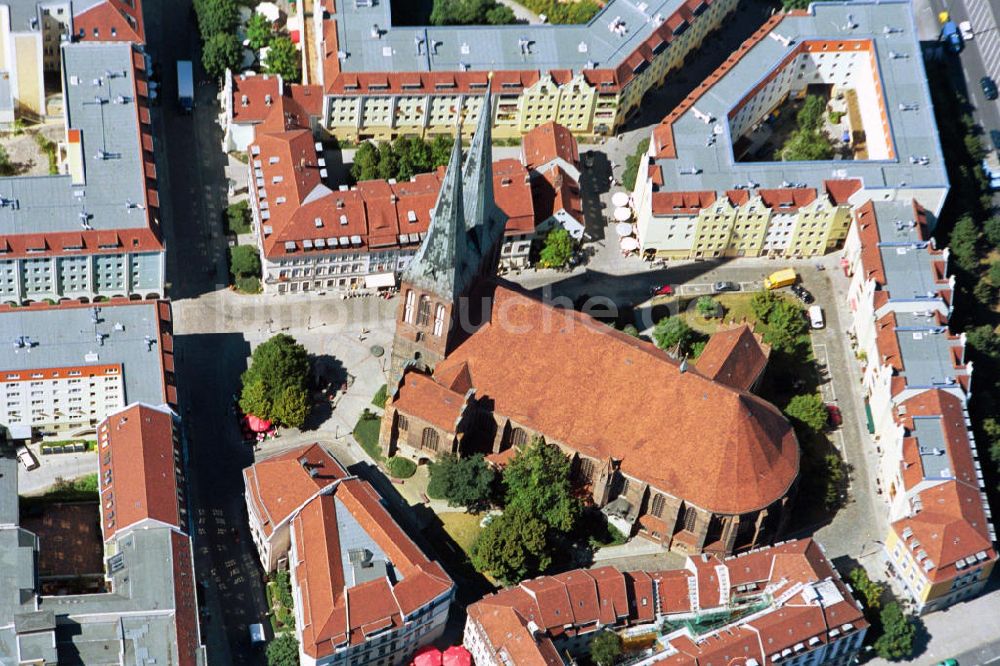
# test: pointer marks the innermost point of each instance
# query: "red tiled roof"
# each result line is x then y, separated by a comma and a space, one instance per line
842, 189
735, 356
255, 90
433, 401
788, 199
512, 193
681, 203
547, 142
137, 473
281, 484
729, 452
114, 21
555, 191
338, 611
186, 623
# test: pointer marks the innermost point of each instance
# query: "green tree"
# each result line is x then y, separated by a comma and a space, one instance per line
866, 587
557, 250
898, 632
500, 15
806, 145
630, 329
259, 32
762, 304
994, 273
512, 546
964, 244
216, 17
388, 163
991, 230
538, 481
811, 115
244, 260
222, 51
277, 365
672, 333
984, 292
605, 648
283, 650
808, 410
7, 167
365, 166
834, 481
467, 482
414, 156
284, 59
632, 163
238, 218
291, 406
984, 340
256, 399
441, 150
708, 307
785, 327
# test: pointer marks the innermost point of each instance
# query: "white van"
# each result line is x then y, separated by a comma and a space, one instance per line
816, 316
26, 457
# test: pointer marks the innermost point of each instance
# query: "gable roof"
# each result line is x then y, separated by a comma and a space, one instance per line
280, 485
547, 142
735, 356
729, 451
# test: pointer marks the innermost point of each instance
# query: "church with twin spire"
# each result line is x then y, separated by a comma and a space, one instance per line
690, 459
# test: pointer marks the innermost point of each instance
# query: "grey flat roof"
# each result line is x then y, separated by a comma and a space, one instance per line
909, 272
903, 82
8, 487
353, 537
493, 47
933, 451
106, 116
66, 336
926, 353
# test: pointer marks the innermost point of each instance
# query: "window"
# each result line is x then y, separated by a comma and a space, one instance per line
518, 437
424, 311
439, 320
408, 310
656, 508
690, 518
429, 439
401, 421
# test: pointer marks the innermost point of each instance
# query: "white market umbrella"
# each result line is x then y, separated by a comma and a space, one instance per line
620, 199
623, 214
623, 229
629, 244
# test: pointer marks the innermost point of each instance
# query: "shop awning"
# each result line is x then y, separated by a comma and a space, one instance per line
380, 280
869, 418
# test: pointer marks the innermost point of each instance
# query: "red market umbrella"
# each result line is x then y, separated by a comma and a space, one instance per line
457, 655
427, 656
257, 424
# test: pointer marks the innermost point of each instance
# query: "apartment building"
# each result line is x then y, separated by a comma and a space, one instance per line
93, 230
278, 487
551, 155
941, 542
149, 605
364, 592
782, 605
701, 193
248, 99
70, 367
31, 36
316, 236
382, 80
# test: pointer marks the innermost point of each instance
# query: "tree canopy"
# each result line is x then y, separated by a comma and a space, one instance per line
557, 250
216, 17
404, 158
221, 51
538, 481
244, 260
812, 113
964, 244
605, 648
806, 145
274, 386
259, 31
283, 650
632, 163
898, 632
284, 59
470, 12
672, 333
808, 410
465, 482
513, 546
785, 326
708, 307
868, 589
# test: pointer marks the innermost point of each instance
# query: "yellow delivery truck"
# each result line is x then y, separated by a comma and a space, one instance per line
783, 278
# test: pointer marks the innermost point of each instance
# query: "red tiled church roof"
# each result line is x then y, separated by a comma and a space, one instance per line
735, 356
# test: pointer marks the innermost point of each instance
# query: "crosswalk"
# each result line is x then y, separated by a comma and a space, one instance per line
985, 27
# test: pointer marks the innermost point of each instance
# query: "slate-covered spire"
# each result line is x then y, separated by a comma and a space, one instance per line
445, 261
478, 178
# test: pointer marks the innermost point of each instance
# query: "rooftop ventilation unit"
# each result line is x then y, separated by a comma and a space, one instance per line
245, 100
582, 47
465, 48
267, 100
887, 30
150, 341
376, 32
909, 107
896, 55
525, 45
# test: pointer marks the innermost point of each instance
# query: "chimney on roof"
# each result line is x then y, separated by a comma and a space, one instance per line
683, 367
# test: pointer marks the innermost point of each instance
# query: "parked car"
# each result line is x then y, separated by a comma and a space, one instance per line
966, 29
816, 316
802, 293
779, 279
725, 286
26, 457
661, 290
833, 416
989, 88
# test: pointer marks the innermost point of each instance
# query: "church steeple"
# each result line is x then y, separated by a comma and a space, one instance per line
446, 261
478, 175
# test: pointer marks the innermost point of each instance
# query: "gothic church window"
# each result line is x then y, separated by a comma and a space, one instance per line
439, 320
424, 311
429, 439
408, 310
